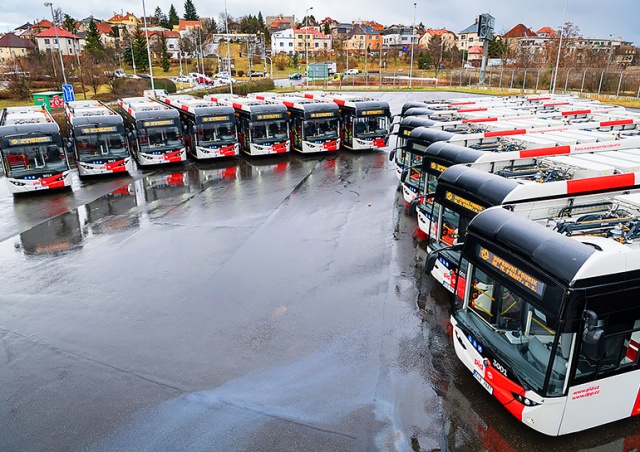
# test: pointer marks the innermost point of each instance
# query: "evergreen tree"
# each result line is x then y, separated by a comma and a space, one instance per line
327, 28
173, 17
190, 11
164, 54
260, 20
140, 49
93, 46
69, 24
161, 18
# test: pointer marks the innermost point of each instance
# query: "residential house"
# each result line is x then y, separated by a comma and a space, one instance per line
128, 22
523, 39
547, 32
40, 26
468, 37
363, 38
105, 29
70, 44
171, 37
12, 46
187, 27
23, 31
399, 37
474, 55
281, 22
283, 42
448, 38
312, 41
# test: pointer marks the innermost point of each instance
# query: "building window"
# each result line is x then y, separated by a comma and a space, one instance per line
69, 41
291, 44
281, 44
46, 41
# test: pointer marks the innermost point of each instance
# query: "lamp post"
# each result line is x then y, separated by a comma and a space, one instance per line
226, 26
608, 62
146, 32
306, 41
555, 75
412, 32
55, 28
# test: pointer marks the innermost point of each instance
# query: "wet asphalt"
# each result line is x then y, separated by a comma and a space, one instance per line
251, 304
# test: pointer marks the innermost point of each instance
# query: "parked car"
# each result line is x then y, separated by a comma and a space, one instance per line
226, 81
255, 74
296, 76
222, 75
182, 79
351, 72
145, 76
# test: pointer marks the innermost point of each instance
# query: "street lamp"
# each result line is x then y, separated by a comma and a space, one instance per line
50, 5
226, 26
146, 32
555, 75
412, 32
306, 41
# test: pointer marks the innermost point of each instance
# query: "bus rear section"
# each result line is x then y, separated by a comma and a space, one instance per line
209, 128
33, 154
97, 137
549, 325
153, 130
263, 126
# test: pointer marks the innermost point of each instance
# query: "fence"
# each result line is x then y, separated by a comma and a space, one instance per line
601, 82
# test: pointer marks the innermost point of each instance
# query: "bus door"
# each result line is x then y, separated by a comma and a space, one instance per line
188, 125
347, 127
297, 131
244, 135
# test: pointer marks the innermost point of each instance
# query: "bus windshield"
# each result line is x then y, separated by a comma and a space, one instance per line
36, 156
269, 131
100, 145
372, 126
215, 133
160, 138
504, 313
454, 227
321, 129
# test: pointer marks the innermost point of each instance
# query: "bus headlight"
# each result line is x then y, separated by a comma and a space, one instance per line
523, 400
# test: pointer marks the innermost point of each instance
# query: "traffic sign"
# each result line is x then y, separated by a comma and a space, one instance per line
67, 93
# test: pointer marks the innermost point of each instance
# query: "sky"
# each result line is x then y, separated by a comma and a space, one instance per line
594, 18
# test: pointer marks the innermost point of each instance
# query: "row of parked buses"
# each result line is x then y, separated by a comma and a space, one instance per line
531, 213
160, 128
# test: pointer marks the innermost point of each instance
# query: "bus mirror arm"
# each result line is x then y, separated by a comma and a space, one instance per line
403, 176
592, 337
392, 154
433, 256
413, 205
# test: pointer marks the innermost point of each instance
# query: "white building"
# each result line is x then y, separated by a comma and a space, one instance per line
283, 42
70, 44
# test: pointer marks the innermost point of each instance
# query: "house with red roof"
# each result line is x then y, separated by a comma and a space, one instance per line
315, 41
547, 32
523, 39
448, 38
12, 47
171, 37
128, 22
70, 44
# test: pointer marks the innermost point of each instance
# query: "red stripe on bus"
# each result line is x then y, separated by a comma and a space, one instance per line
618, 122
469, 110
636, 406
601, 183
534, 99
339, 102
237, 106
308, 96
576, 112
503, 390
185, 108
553, 104
288, 104
541, 152
462, 103
467, 121
501, 133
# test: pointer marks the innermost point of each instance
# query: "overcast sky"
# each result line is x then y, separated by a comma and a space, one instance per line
594, 18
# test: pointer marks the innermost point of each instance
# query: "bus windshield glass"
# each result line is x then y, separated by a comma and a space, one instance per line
454, 227
100, 144
371, 126
504, 312
269, 131
34, 155
321, 129
216, 133
161, 135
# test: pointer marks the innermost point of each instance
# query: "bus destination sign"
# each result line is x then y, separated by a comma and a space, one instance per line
166, 122
464, 203
272, 116
32, 140
99, 129
512, 272
214, 118
372, 112
437, 167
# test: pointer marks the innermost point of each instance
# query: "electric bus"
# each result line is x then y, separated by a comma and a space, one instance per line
153, 130
263, 126
549, 322
543, 183
97, 138
209, 129
33, 154
365, 123
315, 124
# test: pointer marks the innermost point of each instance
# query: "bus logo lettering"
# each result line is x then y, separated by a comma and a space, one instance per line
514, 273
274, 116
407, 132
99, 130
464, 203
166, 122
437, 167
35, 140
322, 115
214, 118
372, 112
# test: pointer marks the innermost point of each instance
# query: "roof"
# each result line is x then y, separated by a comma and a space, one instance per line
519, 31
165, 33
475, 49
12, 41
546, 31
51, 33
43, 24
120, 17
310, 31
183, 24
473, 28
279, 21
103, 28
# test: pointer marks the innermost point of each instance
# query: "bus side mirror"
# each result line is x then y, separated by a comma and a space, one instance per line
392, 155
432, 258
403, 176
68, 144
413, 206
592, 337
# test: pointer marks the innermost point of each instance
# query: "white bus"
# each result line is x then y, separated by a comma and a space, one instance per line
33, 154
365, 123
315, 124
549, 322
153, 130
97, 138
209, 129
263, 126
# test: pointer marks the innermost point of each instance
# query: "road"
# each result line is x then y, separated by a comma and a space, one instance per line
252, 304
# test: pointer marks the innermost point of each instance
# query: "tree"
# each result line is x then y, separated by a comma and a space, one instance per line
164, 54
173, 17
69, 24
140, 49
190, 11
161, 18
93, 46
326, 28
260, 20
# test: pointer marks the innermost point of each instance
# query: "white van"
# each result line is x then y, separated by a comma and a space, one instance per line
351, 72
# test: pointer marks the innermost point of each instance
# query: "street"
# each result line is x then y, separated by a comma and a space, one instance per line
270, 303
